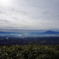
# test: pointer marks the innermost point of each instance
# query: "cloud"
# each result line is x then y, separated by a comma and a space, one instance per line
3, 21
30, 14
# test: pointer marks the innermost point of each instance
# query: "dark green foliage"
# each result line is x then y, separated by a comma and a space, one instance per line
29, 52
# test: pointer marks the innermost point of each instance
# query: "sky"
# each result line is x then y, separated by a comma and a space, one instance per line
29, 15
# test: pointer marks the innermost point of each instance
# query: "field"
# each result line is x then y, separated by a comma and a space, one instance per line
29, 52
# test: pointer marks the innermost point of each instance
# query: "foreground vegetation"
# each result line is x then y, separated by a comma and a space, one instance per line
29, 52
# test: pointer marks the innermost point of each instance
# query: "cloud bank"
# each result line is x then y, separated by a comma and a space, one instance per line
30, 14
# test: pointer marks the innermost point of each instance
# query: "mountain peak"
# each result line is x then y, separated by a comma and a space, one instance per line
51, 32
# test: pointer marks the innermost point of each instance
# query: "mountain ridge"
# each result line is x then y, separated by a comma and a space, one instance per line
51, 32
46, 32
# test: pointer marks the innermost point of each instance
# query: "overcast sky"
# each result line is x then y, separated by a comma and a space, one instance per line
29, 14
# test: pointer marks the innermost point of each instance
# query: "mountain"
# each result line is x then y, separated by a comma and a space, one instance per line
51, 32
35, 33
31, 33
47, 32
1, 32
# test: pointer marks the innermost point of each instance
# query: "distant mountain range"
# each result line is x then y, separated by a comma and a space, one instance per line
42, 38
1, 32
46, 32
51, 32
37, 33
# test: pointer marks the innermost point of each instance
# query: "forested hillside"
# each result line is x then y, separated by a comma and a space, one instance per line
29, 52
